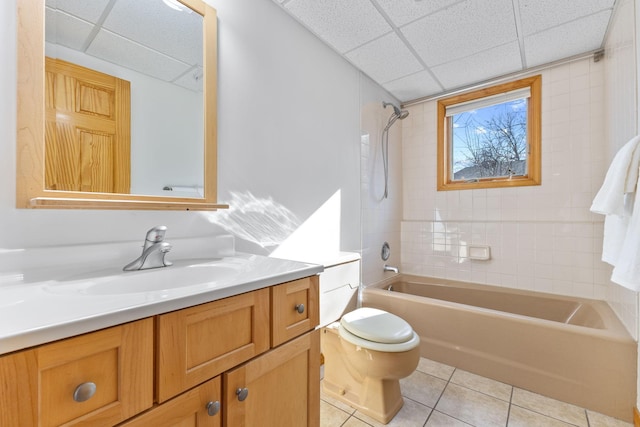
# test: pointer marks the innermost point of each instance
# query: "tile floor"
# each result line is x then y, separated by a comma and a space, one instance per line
440, 395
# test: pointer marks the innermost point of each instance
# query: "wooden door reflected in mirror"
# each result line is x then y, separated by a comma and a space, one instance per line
87, 129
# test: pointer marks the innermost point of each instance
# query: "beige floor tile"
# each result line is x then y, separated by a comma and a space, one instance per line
520, 417
600, 420
473, 407
484, 385
330, 416
551, 407
438, 419
410, 415
354, 422
437, 369
422, 388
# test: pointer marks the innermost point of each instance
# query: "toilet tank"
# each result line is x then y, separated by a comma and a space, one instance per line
339, 284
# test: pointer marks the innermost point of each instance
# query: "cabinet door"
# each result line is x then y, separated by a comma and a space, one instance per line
278, 389
294, 309
198, 407
198, 343
97, 379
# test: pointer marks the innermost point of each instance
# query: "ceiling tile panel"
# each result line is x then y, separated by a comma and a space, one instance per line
86, 10
175, 33
385, 59
113, 48
66, 30
462, 42
462, 30
412, 87
402, 12
484, 65
342, 24
539, 15
577, 37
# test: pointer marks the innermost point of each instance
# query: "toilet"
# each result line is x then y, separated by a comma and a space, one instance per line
366, 350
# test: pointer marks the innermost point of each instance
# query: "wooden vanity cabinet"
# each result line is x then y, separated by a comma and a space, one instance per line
263, 344
248, 360
97, 379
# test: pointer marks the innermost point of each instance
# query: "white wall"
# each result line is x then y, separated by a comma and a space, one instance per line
288, 142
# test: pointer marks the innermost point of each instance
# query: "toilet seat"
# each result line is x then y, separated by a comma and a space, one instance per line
377, 330
413, 342
377, 325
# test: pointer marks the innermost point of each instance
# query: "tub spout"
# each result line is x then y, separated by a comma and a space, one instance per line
389, 268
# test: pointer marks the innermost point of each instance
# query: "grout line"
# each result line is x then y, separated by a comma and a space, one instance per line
509, 410
441, 393
486, 394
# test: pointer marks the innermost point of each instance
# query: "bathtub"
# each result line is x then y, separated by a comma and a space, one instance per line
571, 349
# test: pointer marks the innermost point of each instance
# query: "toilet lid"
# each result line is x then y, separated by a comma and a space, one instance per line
377, 326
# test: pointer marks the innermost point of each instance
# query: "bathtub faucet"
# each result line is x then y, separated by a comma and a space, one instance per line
389, 268
153, 251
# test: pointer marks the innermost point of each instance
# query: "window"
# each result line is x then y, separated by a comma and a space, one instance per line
490, 137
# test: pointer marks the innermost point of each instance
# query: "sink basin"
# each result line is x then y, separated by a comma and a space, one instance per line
185, 273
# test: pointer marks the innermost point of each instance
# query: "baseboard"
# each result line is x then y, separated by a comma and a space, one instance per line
636, 417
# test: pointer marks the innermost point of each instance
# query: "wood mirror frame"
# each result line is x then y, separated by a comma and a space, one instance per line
30, 186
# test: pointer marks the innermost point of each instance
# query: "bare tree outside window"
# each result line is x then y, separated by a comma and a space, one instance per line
490, 141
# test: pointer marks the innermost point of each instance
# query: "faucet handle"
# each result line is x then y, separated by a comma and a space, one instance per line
156, 234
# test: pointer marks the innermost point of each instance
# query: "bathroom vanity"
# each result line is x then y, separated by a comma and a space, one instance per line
242, 352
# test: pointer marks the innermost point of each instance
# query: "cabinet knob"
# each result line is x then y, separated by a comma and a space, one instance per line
213, 408
300, 308
84, 392
242, 393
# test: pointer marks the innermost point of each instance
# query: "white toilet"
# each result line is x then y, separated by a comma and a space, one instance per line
367, 351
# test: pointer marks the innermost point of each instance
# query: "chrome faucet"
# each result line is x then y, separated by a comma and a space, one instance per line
389, 268
153, 251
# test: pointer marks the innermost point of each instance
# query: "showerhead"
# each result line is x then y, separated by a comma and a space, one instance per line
397, 114
396, 110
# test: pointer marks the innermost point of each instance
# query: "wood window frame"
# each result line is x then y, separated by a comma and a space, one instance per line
533, 175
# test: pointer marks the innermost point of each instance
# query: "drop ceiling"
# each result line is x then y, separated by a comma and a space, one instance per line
420, 48
148, 36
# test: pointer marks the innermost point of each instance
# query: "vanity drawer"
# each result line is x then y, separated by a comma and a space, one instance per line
294, 309
199, 343
198, 407
97, 379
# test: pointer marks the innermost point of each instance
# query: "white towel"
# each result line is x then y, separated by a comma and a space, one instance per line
627, 268
616, 199
621, 178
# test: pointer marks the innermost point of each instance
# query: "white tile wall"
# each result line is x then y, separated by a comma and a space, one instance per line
542, 238
621, 116
381, 218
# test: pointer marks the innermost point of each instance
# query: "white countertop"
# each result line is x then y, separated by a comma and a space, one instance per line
50, 304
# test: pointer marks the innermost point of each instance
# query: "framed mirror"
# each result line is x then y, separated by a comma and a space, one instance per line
117, 104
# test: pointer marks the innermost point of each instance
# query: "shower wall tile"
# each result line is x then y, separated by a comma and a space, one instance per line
542, 238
